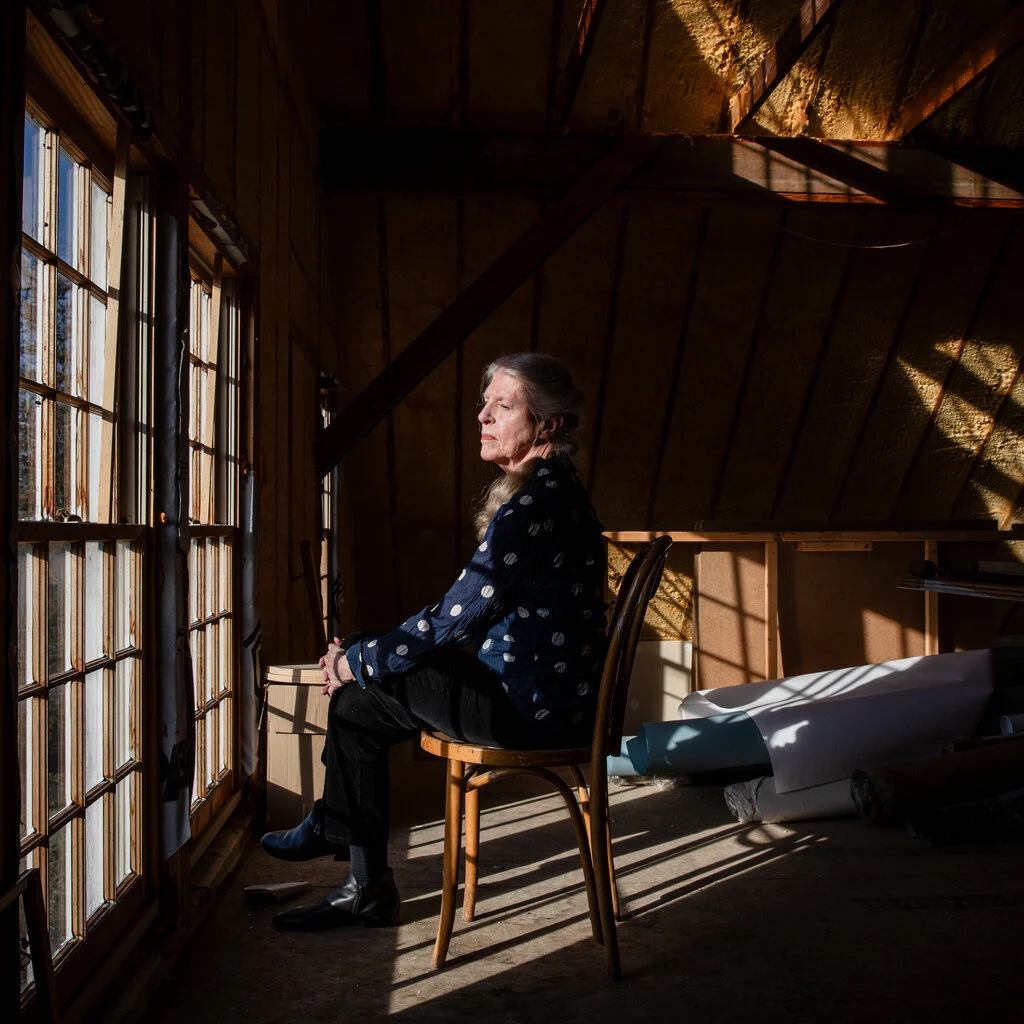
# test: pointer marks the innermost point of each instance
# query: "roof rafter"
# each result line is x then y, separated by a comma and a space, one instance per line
586, 31
480, 299
960, 73
778, 62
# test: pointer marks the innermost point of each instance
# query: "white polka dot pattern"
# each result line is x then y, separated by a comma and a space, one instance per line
583, 689
534, 529
487, 591
487, 644
526, 499
560, 666
558, 639
483, 546
402, 650
577, 589
508, 638
369, 670
423, 625
542, 713
509, 658
462, 575
559, 559
456, 610
523, 613
372, 643
543, 612
511, 558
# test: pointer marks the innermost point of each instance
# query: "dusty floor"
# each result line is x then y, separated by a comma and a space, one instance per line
832, 921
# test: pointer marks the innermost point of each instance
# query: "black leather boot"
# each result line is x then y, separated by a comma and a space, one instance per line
374, 906
304, 842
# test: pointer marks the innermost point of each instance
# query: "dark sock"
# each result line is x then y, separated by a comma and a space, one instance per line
367, 862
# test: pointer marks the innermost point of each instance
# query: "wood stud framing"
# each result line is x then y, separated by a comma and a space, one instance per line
587, 25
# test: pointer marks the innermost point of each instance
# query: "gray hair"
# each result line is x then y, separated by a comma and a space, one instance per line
549, 390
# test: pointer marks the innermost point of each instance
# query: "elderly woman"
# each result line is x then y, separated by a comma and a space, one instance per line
509, 656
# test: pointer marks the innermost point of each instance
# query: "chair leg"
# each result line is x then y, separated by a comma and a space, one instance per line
472, 812
601, 849
584, 796
450, 878
612, 883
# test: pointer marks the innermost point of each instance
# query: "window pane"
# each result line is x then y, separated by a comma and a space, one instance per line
97, 347
67, 481
127, 796
69, 343
32, 309
32, 183
59, 609
30, 456
212, 662
69, 202
95, 601
93, 857
98, 243
195, 612
26, 611
225, 726
125, 597
26, 748
124, 712
212, 731
26, 961
59, 888
99, 510
94, 732
58, 749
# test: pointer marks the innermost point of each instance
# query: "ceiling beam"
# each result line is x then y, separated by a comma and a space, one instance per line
481, 298
786, 51
958, 75
583, 44
710, 169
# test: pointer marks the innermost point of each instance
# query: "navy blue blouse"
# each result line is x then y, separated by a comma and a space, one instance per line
530, 604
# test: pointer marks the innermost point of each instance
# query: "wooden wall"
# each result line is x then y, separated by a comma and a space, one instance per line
234, 77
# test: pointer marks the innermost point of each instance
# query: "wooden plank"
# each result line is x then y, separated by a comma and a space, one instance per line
111, 361
771, 610
960, 73
835, 545
931, 604
480, 299
645, 63
875, 536
778, 62
424, 162
587, 25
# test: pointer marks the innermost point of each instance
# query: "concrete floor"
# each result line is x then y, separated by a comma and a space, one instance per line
833, 921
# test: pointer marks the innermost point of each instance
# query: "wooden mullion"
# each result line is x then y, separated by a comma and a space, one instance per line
587, 25
212, 374
68, 533
76, 733
110, 576
111, 362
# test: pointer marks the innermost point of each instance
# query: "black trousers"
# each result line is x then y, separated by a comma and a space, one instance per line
454, 693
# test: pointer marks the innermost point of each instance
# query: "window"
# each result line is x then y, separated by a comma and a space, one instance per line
80, 575
215, 392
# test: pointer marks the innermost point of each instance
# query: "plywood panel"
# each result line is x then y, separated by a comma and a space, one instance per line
422, 282
422, 76
732, 271
730, 609
873, 302
658, 263
797, 314
507, 74
949, 288
843, 609
577, 289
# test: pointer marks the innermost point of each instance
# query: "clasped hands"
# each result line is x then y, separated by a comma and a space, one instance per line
336, 668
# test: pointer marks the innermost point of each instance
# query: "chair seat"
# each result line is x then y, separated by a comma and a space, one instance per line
499, 757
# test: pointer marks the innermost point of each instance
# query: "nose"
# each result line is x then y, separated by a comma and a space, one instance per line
484, 415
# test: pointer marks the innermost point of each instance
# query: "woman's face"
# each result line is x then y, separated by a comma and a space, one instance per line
508, 433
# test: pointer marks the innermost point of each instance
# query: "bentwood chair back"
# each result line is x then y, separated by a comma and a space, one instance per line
471, 766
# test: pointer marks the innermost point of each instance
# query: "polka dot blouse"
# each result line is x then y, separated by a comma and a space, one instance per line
530, 604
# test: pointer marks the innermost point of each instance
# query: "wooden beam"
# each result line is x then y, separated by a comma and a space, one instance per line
958, 75
771, 609
931, 604
876, 535
707, 169
787, 50
583, 44
480, 299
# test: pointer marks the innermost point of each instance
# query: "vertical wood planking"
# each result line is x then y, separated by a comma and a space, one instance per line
855, 358
931, 604
942, 311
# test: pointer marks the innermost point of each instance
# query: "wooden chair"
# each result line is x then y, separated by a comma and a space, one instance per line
471, 766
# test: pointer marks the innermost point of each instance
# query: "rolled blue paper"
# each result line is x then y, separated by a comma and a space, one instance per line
622, 764
708, 744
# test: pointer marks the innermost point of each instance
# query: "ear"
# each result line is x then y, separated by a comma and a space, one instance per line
550, 426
